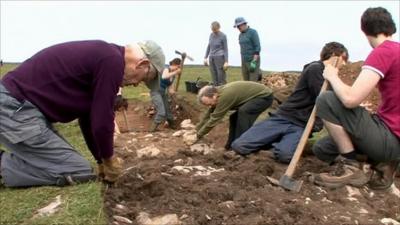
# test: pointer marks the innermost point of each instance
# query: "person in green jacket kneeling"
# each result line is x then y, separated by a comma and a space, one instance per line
248, 99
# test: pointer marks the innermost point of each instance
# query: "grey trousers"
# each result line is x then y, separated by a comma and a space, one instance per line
251, 76
218, 74
160, 100
37, 154
369, 134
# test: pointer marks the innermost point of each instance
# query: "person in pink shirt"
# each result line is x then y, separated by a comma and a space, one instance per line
352, 130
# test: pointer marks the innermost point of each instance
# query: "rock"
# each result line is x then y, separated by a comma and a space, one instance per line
122, 219
50, 208
133, 140
394, 190
150, 151
187, 124
308, 200
198, 170
363, 211
168, 219
184, 216
132, 133
121, 208
201, 148
228, 204
190, 138
149, 135
178, 133
178, 161
136, 109
389, 221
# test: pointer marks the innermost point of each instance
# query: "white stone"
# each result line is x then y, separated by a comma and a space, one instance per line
389, 221
149, 135
189, 138
121, 207
150, 151
201, 148
122, 219
184, 216
187, 124
50, 208
394, 190
198, 170
178, 161
168, 219
363, 211
178, 133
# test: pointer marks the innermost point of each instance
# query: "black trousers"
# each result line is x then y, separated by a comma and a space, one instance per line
245, 116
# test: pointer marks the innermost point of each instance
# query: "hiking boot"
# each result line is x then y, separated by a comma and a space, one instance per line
172, 124
346, 172
154, 126
383, 175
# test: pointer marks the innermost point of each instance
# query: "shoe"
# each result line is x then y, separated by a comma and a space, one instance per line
172, 124
383, 175
153, 127
346, 172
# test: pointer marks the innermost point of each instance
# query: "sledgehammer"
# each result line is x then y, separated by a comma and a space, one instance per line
286, 181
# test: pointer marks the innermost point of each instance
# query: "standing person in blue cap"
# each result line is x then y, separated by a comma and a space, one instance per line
249, 49
217, 53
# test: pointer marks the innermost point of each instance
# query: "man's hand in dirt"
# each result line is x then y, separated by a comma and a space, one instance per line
112, 169
190, 138
120, 103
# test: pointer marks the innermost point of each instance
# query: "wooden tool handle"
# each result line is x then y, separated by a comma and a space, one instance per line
304, 137
178, 78
306, 133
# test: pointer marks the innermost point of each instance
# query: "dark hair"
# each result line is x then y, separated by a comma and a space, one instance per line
333, 48
176, 61
376, 21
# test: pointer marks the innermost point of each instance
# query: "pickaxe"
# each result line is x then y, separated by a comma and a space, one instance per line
286, 181
184, 56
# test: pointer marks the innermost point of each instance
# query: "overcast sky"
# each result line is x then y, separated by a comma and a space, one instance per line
292, 33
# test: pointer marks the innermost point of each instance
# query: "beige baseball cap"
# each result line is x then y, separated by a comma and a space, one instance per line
157, 59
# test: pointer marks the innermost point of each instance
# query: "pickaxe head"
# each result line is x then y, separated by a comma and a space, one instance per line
290, 184
184, 55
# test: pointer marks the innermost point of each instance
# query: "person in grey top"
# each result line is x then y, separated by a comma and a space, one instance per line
217, 54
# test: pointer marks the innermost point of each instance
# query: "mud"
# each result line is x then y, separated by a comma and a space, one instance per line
238, 192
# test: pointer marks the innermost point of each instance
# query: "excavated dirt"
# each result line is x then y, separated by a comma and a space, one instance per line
236, 190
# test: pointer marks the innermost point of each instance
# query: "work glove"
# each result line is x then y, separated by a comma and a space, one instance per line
120, 103
112, 168
225, 67
253, 65
205, 62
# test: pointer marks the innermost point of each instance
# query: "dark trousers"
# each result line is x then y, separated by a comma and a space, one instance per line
218, 74
245, 116
276, 132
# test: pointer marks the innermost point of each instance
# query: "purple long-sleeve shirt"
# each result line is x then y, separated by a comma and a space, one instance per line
74, 80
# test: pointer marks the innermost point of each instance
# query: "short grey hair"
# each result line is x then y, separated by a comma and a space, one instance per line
215, 24
207, 91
